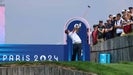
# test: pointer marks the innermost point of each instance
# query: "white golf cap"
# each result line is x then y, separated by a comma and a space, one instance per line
123, 10
76, 25
128, 10
114, 15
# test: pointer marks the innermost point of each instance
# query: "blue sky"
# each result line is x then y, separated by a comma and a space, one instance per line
42, 21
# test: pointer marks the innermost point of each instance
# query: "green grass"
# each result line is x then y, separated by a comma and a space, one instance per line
103, 69
126, 69
123, 68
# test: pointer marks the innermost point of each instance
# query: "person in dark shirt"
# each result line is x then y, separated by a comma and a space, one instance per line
101, 31
131, 13
108, 30
113, 24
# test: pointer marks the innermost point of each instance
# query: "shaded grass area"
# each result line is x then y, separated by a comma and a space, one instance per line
123, 68
129, 34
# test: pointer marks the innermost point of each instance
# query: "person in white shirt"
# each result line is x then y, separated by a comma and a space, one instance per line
118, 25
76, 40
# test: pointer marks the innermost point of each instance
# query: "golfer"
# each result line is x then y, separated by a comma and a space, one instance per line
77, 43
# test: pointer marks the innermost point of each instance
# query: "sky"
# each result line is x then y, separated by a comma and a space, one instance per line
2, 25
42, 21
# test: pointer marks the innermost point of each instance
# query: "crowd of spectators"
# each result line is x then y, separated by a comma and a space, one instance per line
115, 26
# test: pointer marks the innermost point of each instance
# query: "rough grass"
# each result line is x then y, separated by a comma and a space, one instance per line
122, 68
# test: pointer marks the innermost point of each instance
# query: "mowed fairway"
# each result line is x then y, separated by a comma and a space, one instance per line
124, 68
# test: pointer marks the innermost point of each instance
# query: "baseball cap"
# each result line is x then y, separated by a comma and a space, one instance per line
100, 21
130, 8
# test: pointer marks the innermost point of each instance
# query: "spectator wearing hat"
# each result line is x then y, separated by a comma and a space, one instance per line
126, 21
131, 12
101, 31
125, 13
127, 25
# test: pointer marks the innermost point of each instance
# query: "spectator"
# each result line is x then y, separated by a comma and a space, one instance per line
127, 21
114, 20
118, 25
108, 30
94, 34
126, 14
111, 17
131, 13
127, 25
105, 24
100, 31
113, 24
